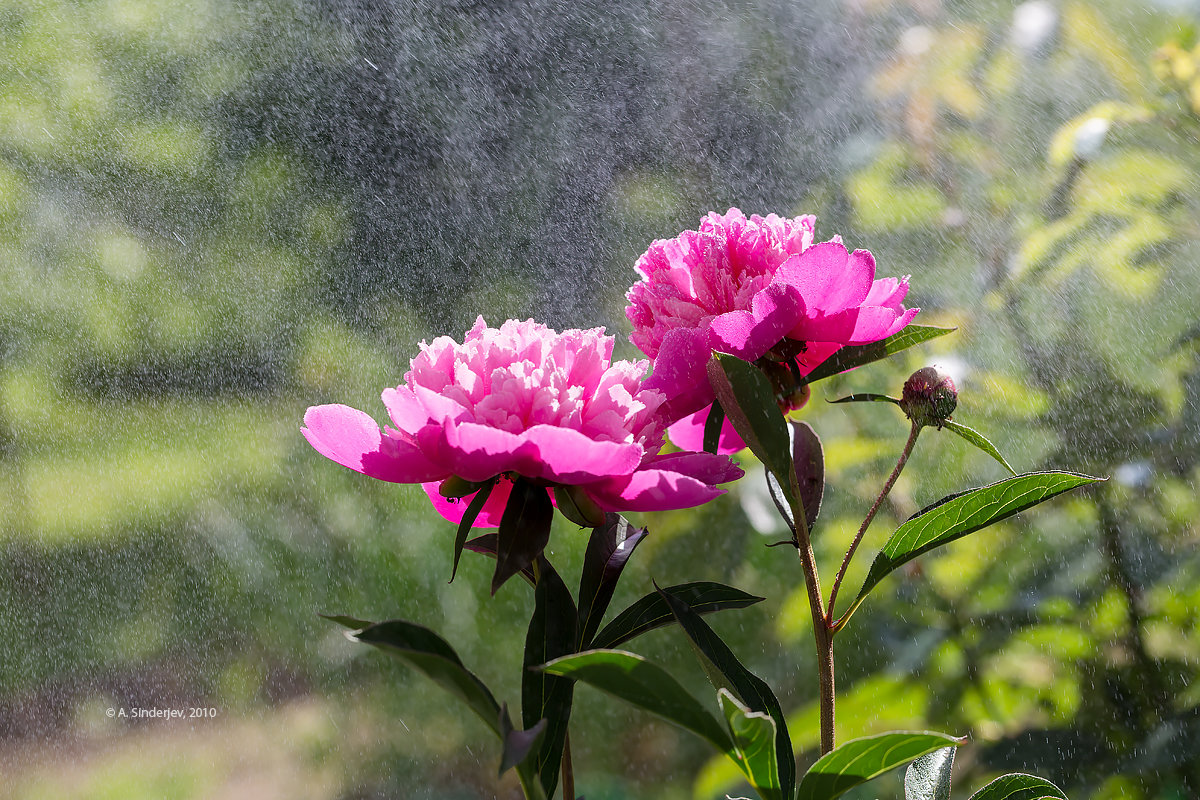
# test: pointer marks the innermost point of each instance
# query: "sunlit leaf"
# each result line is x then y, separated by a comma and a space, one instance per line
858, 355
979, 440
859, 760
652, 611
928, 778
726, 672
637, 681
753, 734
1018, 786
958, 515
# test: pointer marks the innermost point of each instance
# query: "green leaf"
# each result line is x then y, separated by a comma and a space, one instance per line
753, 735
430, 654
866, 397
353, 623
1018, 786
958, 515
608, 550
486, 545
859, 760
858, 355
517, 744
637, 681
652, 611
712, 427
749, 402
726, 672
979, 440
551, 634
928, 778
468, 521
524, 530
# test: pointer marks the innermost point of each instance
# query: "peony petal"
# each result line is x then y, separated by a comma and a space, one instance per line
406, 411
353, 439
477, 452
702, 466
828, 277
453, 510
688, 434
854, 326
681, 372
652, 490
750, 334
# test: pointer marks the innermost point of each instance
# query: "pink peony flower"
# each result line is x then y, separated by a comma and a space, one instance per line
525, 400
755, 287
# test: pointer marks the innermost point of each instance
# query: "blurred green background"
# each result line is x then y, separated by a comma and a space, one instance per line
215, 214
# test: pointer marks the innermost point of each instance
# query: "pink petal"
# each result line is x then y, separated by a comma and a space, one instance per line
887, 292
406, 411
702, 466
829, 278
477, 452
854, 326
680, 372
750, 334
353, 439
652, 490
688, 434
454, 510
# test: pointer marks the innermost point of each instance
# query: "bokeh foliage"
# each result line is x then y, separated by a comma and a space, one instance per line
215, 214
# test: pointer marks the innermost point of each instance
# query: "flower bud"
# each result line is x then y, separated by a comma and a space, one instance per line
929, 396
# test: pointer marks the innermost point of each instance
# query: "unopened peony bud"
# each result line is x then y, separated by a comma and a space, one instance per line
929, 396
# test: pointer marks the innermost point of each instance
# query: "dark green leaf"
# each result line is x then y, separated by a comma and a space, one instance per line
517, 744
486, 545
608, 550
652, 611
928, 778
726, 672
866, 397
575, 504
643, 684
430, 654
964, 513
551, 634
753, 734
468, 520
712, 427
749, 402
858, 355
353, 623
857, 761
524, 530
1018, 786
808, 458
979, 440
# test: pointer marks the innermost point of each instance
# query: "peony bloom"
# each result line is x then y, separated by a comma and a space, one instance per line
758, 288
522, 400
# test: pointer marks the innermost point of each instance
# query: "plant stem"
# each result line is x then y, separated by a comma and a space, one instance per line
568, 773
887, 487
822, 636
